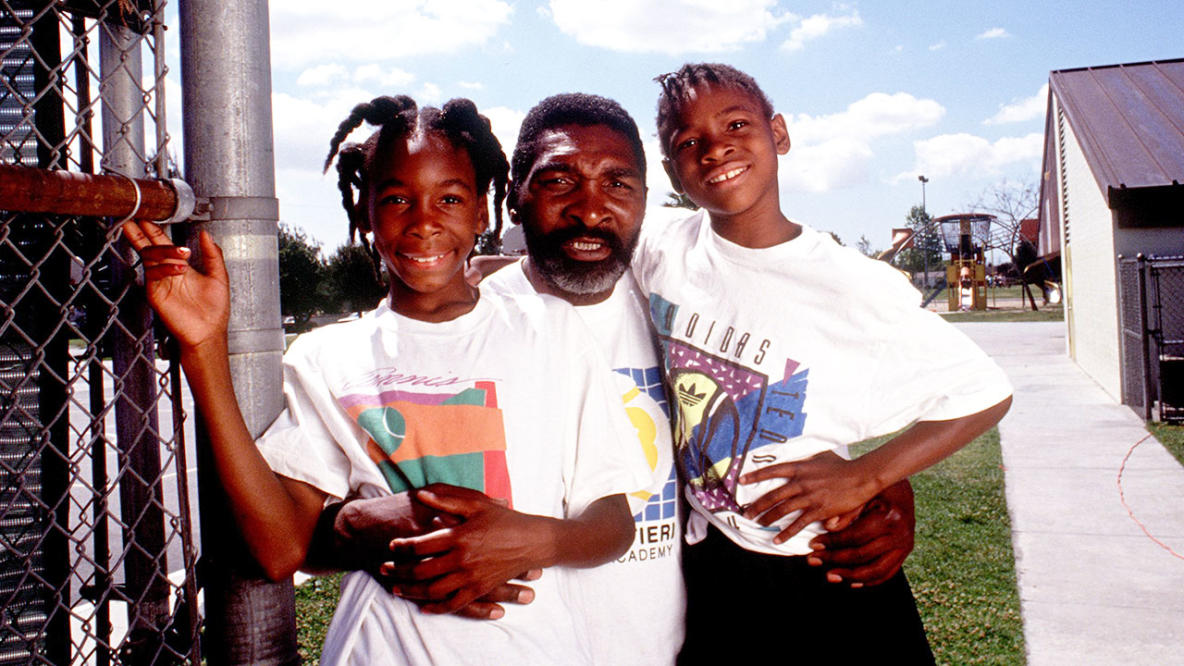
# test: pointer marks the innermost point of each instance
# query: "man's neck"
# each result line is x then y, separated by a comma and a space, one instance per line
543, 286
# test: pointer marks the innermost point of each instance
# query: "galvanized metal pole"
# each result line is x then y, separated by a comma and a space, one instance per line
133, 355
229, 158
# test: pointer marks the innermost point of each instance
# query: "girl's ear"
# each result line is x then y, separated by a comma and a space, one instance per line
780, 134
482, 214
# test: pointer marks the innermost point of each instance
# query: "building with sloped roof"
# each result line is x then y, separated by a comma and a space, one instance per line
1113, 186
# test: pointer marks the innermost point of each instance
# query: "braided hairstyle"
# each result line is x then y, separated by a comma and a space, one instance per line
396, 118
678, 86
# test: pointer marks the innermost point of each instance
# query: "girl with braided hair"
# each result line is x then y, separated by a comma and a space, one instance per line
492, 415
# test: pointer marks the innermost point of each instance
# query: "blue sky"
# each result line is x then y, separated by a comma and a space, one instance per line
874, 92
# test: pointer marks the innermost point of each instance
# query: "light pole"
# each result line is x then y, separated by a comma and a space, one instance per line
925, 235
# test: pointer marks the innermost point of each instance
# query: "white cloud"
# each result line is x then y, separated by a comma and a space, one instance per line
429, 94
384, 77
505, 123
308, 31
878, 114
993, 33
966, 154
835, 151
938, 46
672, 27
833, 164
322, 75
471, 85
1021, 110
813, 27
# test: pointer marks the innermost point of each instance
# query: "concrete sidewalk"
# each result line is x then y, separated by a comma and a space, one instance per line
1095, 586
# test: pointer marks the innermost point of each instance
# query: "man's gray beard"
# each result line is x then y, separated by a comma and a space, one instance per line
576, 277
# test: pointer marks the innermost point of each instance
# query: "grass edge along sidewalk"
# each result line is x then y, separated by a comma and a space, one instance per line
962, 570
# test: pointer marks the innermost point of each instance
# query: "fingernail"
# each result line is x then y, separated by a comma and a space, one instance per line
814, 545
525, 596
856, 586
184, 251
814, 561
833, 577
496, 614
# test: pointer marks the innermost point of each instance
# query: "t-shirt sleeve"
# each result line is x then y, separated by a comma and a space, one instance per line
300, 443
926, 369
605, 459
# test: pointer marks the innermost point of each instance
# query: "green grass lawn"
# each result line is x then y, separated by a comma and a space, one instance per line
1045, 313
962, 570
1171, 436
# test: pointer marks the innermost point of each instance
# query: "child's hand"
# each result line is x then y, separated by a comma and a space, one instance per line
454, 566
822, 486
194, 303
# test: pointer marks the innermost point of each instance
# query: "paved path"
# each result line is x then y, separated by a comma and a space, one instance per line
1095, 588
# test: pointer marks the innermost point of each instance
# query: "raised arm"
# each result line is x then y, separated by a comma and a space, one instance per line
275, 515
824, 486
453, 566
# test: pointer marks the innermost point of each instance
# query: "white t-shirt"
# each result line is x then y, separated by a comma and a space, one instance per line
779, 353
510, 399
636, 605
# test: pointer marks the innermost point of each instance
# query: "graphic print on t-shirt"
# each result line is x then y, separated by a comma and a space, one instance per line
455, 437
726, 412
656, 523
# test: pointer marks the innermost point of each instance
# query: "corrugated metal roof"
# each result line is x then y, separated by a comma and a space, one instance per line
1129, 120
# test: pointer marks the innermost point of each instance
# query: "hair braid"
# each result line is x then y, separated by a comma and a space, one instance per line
395, 118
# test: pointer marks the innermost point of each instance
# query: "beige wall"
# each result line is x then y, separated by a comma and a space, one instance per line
1092, 316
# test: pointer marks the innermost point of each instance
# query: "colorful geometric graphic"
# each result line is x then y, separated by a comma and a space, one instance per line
645, 404
420, 438
724, 412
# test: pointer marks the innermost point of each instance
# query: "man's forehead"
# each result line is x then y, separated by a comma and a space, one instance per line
574, 140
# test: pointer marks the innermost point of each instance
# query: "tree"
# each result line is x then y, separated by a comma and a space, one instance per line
301, 274
353, 284
1011, 203
925, 251
865, 247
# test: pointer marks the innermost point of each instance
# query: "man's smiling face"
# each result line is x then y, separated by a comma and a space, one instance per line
581, 208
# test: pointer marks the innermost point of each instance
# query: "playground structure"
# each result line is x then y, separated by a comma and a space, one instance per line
964, 236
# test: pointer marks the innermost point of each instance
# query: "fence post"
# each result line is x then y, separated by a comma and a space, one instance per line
229, 158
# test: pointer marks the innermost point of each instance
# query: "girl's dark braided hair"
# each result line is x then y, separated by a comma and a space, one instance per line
396, 118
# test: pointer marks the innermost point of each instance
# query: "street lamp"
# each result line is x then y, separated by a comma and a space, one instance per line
925, 235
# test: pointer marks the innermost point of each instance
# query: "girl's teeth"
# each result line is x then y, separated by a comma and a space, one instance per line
727, 175
425, 260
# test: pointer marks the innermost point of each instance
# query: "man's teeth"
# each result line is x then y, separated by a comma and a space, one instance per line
424, 260
585, 246
727, 175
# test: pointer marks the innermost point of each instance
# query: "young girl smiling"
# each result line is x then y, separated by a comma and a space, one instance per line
499, 406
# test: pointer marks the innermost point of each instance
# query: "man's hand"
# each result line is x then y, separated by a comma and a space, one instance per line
873, 548
357, 534
822, 487
452, 567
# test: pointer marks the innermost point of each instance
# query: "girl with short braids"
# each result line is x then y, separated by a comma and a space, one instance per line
490, 418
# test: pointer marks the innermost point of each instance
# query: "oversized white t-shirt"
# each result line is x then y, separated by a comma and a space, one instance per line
779, 353
511, 399
636, 605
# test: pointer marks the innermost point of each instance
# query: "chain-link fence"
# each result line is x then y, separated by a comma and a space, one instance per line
1151, 303
97, 553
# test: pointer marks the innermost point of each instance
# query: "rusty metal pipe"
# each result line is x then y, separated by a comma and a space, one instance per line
30, 190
